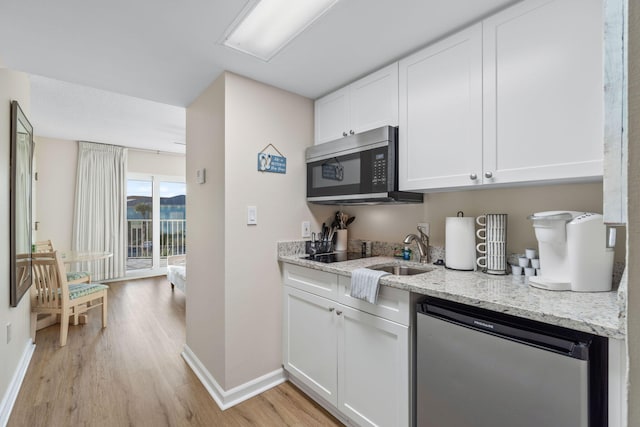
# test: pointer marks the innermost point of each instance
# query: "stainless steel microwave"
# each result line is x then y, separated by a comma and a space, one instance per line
357, 169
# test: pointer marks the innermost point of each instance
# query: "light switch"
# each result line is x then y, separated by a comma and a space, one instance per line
201, 176
252, 215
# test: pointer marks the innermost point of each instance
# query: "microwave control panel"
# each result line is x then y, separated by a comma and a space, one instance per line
379, 176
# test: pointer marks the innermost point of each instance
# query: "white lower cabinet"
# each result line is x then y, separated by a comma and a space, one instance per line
373, 369
310, 341
355, 361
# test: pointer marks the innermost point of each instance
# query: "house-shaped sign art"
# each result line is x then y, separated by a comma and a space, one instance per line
268, 162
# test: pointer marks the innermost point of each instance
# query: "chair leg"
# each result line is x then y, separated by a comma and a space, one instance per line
34, 323
64, 328
172, 286
104, 309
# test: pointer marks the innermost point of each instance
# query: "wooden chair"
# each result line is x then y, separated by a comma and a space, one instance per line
43, 246
52, 294
73, 276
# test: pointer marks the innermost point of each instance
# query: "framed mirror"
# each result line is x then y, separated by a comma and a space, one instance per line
20, 211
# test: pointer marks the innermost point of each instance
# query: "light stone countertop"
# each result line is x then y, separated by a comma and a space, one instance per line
599, 313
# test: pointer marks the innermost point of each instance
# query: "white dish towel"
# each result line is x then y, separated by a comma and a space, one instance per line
365, 284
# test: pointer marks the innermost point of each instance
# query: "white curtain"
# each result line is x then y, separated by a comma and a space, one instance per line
100, 212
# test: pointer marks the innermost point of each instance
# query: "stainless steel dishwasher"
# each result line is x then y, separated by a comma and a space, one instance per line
479, 368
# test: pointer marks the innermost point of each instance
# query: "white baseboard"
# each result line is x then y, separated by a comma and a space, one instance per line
14, 386
227, 399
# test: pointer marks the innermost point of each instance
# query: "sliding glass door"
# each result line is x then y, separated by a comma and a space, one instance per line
173, 219
156, 221
139, 224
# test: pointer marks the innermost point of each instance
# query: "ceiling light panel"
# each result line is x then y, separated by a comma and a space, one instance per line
271, 24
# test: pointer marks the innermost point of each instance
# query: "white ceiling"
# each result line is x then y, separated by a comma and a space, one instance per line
85, 56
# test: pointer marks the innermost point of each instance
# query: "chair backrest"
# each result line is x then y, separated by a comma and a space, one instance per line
23, 269
44, 246
50, 285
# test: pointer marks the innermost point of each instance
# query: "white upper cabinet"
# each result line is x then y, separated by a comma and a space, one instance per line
374, 100
332, 116
518, 98
440, 134
616, 62
543, 91
366, 104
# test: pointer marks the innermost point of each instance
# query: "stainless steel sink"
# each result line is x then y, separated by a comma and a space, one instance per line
401, 270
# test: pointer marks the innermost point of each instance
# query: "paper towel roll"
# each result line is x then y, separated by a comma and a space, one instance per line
460, 243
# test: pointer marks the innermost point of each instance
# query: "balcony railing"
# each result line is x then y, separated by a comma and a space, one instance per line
173, 233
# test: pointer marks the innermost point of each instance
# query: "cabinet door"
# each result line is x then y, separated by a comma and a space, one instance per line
374, 100
373, 368
440, 136
332, 116
544, 96
616, 138
310, 341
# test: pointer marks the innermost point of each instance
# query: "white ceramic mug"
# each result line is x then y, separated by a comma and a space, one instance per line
482, 262
484, 247
482, 231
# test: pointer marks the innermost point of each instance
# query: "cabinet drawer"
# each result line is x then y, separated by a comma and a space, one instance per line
313, 281
393, 304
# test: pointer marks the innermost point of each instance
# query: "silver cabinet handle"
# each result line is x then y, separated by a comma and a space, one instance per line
338, 312
488, 174
351, 132
344, 134
473, 177
331, 308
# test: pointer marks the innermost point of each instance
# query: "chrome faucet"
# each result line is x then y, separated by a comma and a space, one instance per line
423, 244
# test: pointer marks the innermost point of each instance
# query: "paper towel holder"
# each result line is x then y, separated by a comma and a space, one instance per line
460, 243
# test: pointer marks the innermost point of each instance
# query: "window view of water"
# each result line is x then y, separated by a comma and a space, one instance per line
172, 222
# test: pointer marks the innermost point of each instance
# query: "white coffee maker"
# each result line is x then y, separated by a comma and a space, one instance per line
576, 251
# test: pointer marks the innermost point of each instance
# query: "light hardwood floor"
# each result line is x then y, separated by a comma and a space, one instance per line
132, 374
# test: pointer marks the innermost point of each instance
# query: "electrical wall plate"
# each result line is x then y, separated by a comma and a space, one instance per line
306, 229
252, 215
425, 227
201, 176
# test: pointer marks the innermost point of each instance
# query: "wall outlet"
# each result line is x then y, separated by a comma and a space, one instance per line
306, 229
425, 227
9, 333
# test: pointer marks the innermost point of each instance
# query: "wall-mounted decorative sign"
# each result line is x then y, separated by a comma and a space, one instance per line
268, 162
